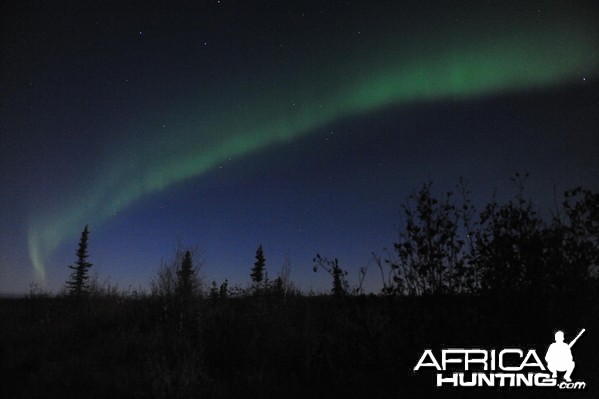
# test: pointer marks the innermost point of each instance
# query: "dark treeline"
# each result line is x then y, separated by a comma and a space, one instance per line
447, 247
456, 277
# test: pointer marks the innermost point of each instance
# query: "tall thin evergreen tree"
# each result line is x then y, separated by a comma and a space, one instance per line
77, 285
187, 281
258, 273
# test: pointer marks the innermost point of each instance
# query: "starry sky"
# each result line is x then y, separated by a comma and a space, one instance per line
301, 126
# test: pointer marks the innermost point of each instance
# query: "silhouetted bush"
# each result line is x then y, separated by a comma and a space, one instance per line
508, 249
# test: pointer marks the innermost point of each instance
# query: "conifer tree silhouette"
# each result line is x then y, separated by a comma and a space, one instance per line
77, 285
186, 283
258, 273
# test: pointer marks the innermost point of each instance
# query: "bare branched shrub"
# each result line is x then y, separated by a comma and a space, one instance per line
508, 248
37, 291
431, 254
104, 288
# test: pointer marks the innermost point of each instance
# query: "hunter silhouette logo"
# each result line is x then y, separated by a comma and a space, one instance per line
508, 367
559, 356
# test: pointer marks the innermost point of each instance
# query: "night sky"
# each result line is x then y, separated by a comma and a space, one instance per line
301, 126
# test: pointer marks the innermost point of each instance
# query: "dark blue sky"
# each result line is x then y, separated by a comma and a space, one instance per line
227, 125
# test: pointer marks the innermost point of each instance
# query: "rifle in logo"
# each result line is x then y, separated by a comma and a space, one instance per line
559, 355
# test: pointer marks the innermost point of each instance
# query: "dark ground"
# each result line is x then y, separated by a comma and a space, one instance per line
300, 347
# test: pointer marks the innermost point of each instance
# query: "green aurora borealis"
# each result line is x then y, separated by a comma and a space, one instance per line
321, 88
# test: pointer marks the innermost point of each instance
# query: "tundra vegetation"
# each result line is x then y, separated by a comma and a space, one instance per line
457, 276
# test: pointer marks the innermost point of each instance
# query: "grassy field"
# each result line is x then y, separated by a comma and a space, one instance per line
260, 346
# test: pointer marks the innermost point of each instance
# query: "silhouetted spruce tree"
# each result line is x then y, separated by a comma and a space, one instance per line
186, 278
258, 273
77, 285
223, 291
338, 274
340, 285
170, 276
